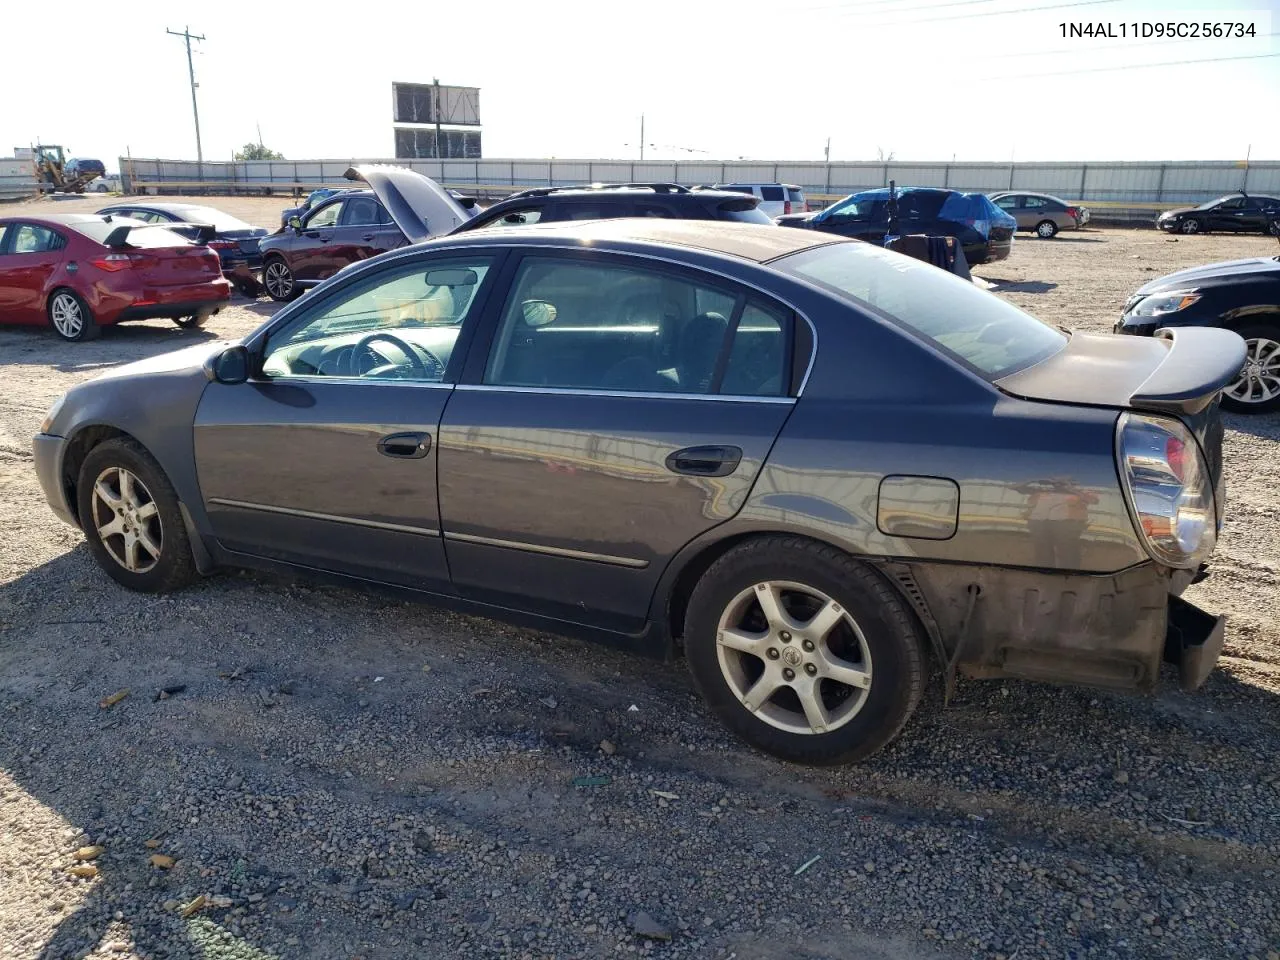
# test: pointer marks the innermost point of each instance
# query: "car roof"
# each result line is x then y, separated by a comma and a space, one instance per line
62, 219
756, 242
620, 193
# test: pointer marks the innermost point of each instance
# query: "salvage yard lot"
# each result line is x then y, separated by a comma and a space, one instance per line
341, 774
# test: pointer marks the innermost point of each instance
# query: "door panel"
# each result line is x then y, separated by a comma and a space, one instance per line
33, 254
563, 503
293, 471
313, 256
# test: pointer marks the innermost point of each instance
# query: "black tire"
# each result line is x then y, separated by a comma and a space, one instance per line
1046, 229
891, 633
1261, 359
70, 317
278, 280
175, 566
193, 322
1190, 225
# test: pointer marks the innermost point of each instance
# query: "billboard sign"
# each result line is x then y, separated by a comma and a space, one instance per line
432, 103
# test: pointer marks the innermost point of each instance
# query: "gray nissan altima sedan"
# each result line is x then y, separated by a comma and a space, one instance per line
819, 469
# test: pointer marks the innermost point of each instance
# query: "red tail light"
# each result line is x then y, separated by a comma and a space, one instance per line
1175, 454
1073, 213
223, 245
120, 261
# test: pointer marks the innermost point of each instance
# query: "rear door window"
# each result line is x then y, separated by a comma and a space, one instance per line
772, 193
589, 210
652, 210
359, 212
33, 238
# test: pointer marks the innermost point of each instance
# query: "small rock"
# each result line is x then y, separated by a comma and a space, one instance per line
89, 853
549, 702
607, 748
162, 861
643, 925
117, 946
170, 905
869, 867
1121, 776
422, 841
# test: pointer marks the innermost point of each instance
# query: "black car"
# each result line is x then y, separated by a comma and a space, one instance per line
1237, 213
982, 229
1240, 295
314, 198
235, 241
606, 201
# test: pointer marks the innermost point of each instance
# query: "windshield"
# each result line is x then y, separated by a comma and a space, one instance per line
984, 332
1213, 203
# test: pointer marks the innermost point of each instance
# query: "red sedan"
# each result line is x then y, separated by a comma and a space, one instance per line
81, 272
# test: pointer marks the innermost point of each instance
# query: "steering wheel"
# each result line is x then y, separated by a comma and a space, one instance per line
416, 366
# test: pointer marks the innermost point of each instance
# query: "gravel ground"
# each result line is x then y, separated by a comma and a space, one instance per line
344, 775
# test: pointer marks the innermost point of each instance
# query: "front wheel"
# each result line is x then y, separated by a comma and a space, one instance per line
1046, 229
803, 651
278, 279
71, 317
1257, 389
1190, 226
130, 515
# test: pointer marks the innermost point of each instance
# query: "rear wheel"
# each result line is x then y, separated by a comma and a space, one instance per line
1046, 229
1257, 389
1190, 226
278, 279
130, 515
71, 317
803, 651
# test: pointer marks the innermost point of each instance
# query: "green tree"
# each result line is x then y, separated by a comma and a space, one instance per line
256, 151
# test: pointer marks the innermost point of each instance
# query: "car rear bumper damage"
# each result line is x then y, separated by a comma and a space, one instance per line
47, 454
1111, 631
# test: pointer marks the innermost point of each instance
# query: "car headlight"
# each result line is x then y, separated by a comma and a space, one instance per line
1167, 484
52, 414
1159, 304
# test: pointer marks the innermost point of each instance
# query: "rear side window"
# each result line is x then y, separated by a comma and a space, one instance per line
990, 336
795, 194
360, 211
918, 205
652, 210
611, 326
747, 190
32, 238
590, 211
772, 193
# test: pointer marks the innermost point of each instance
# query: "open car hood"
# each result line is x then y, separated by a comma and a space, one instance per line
421, 208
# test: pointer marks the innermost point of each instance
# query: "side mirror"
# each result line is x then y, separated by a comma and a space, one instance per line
538, 313
295, 222
231, 366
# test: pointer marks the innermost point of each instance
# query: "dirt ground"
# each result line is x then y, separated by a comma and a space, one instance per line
345, 775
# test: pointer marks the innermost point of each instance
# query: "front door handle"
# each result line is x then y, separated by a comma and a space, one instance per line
367, 237
405, 446
710, 461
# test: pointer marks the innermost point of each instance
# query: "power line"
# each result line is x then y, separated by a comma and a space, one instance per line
985, 13
1117, 46
1132, 66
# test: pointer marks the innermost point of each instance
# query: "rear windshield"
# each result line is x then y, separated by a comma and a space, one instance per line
221, 221
98, 230
990, 336
795, 194
742, 211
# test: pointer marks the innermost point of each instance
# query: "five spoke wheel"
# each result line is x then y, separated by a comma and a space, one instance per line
127, 520
794, 657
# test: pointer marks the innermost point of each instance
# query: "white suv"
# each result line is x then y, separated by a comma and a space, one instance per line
775, 199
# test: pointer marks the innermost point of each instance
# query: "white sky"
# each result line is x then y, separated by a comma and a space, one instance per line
715, 80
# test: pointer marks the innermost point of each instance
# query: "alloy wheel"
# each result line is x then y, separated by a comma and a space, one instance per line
1259, 380
127, 520
1190, 226
794, 657
67, 315
278, 280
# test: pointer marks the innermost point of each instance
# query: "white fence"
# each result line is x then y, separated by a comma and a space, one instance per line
1118, 189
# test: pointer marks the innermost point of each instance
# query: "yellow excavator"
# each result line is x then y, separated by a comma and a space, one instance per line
56, 174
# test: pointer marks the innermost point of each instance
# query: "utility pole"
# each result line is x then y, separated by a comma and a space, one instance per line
642, 136
436, 111
188, 36
826, 154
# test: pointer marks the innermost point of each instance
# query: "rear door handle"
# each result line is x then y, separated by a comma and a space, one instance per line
367, 237
709, 461
405, 446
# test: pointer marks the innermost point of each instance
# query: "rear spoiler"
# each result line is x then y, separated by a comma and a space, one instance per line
1201, 361
200, 233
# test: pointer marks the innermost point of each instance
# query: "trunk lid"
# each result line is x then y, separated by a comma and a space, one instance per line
1180, 372
421, 208
160, 257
